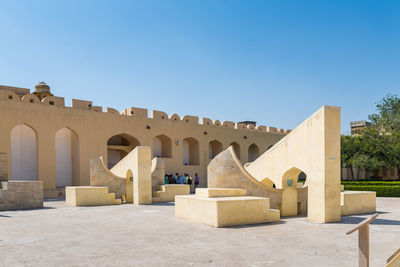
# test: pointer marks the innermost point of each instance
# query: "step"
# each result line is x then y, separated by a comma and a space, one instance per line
220, 192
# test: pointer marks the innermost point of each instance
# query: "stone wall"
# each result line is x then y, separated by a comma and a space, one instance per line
3, 166
18, 195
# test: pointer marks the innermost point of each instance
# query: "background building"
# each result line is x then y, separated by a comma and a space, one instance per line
42, 139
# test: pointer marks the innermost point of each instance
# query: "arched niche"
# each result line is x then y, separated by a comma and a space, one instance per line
191, 152
214, 148
24, 153
67, 157
118, 146
236, 148
162, 146
254, 152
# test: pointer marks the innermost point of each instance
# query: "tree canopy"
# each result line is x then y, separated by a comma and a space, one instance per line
378, 146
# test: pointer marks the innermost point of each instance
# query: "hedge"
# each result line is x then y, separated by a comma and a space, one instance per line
381, 183
381, 190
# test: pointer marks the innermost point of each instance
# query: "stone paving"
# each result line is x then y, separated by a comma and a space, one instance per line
151, 236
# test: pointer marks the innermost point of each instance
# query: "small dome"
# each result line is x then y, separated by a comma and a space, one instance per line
42, 87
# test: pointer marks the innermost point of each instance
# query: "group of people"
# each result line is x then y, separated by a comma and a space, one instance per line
181, 179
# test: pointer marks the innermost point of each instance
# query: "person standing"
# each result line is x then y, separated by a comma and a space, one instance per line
196, 180
182, 179
166, 179
189, 182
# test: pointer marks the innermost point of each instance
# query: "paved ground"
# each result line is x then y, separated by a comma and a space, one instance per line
152, 236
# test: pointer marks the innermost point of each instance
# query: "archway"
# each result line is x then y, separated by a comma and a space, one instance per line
118, 147
236, 148
292, 203
162, 146
67, 157
23, 153
214, 148
254, 152
190, 151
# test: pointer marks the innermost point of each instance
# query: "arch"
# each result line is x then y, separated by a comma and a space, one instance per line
162, 146
254, 152
67, 157
214, 148
191, 151
30, 98
24, 153
118, 146
236, 148
290, 204
268, 182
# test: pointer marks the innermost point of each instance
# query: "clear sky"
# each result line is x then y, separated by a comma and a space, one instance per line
274, 62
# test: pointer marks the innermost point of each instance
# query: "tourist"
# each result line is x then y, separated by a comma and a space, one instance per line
166, 179
182, 179
176, 178
189, 182
196, 180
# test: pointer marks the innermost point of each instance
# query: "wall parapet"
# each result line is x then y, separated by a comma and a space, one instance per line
10, 95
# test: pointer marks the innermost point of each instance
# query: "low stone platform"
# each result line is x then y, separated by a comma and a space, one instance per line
167, 193
357, 202
89, 196
19, 195
226, 207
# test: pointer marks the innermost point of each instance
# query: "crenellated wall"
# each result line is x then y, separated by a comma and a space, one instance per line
93, 127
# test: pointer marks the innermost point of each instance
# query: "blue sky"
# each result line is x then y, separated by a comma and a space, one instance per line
274, 62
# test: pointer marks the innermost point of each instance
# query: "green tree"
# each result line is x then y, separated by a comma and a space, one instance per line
392, 152
388, 116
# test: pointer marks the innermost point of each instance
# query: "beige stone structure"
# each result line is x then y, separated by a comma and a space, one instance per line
223, 207
18, 195
50, 142
3, 167
312, 148
167, 193
89, 196
357, 202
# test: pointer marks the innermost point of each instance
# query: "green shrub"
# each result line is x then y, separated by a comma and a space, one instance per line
381, 190
382, 183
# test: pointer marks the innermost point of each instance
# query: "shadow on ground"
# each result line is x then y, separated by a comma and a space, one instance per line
357, 220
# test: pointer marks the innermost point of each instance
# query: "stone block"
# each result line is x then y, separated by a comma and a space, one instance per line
89, 196
357, 202
225, 211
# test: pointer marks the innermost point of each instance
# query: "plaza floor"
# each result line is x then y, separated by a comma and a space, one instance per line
151, 236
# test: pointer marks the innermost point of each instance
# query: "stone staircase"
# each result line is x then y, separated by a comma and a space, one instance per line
167, 193
90, 196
